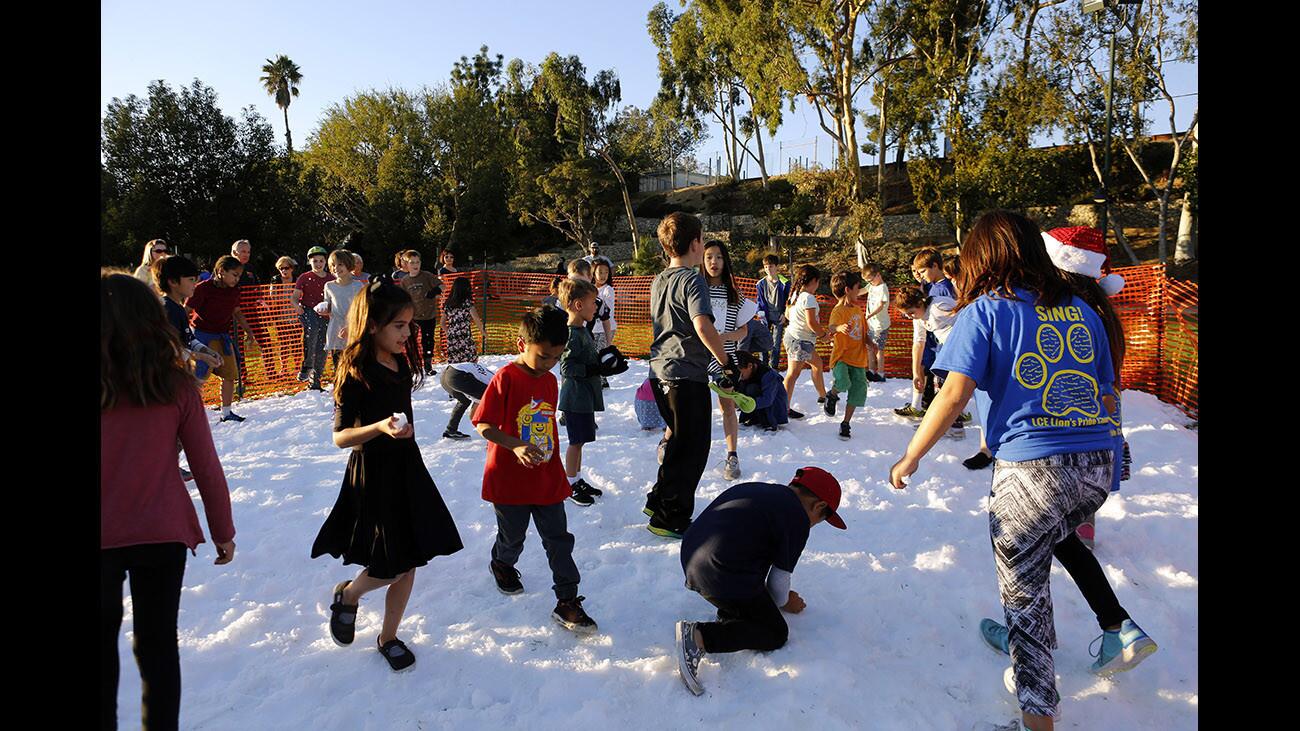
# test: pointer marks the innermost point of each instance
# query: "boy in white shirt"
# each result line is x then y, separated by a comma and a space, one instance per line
877, 295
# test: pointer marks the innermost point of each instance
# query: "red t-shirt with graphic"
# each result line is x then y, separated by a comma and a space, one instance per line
523, 406
312, 288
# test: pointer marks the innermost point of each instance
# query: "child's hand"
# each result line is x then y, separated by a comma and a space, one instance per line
843, 329
918, 383
901, 469
389, 427
795, 603
225, 553
213, 361
529, 455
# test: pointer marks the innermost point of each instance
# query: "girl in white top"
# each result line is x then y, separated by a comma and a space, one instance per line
338, 299
801, 336
152, 250
603, 278
877, 293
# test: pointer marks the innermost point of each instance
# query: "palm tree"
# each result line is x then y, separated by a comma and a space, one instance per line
281, 78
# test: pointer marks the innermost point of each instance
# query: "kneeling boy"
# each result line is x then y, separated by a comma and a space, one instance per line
739, 554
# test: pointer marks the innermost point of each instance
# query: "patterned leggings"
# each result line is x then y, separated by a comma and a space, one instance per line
1033, 506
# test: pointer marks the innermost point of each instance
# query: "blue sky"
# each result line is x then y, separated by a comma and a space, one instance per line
345, 47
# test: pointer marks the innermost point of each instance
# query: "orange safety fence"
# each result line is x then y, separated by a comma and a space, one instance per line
1160, 316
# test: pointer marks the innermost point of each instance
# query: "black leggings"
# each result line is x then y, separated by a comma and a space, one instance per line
751, 624
156, 571
463, 387
428, 339
1087, 574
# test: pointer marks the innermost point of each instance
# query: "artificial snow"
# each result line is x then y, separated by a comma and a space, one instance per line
889, 640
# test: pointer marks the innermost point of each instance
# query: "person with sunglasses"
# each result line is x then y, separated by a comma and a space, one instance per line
152, 250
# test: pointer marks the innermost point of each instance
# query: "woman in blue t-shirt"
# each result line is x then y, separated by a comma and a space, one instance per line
1037, 359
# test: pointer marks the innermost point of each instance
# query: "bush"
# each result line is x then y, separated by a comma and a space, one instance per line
649, 259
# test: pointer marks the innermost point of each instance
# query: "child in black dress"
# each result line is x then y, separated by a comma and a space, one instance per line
389, 516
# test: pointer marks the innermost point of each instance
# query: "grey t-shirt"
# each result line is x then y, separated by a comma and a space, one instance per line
677, 296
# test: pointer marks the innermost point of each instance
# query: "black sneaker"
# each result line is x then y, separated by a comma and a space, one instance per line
579, 496
343, 617
430, 372
844, 431
507, 578
454, 434
795, 414
978, 461
588, 488
303, 377
831, 399
232, 416
570, 614
399, 657
875, 377
660, 528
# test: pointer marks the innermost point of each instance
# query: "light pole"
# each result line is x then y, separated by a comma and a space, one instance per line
1102, 197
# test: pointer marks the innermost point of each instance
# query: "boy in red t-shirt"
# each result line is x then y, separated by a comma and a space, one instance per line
309, 291
523, 476
215, 304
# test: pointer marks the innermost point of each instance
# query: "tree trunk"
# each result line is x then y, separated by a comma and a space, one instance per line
762, 165
288, 138
1121, 238
627, 200
735, 138
880, 159
1183, 249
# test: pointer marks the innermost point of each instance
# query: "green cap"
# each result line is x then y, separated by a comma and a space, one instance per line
313, 251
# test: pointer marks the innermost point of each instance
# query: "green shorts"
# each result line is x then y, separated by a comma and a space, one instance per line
852, 381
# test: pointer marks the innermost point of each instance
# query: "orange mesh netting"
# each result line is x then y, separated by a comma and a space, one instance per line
1160, 316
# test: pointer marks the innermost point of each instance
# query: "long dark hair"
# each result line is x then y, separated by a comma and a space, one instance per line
744, 359
379, 304
729, 281
597, 264
140, 361
1006, 250
803, 274
1089, 291
462, 294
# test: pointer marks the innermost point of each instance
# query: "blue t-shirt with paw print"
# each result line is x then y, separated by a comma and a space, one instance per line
1039, 372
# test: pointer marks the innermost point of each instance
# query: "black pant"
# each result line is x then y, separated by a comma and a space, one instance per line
156, 570
553, 526
428, 339
750, 624
463, 387
687, 409
1087, 574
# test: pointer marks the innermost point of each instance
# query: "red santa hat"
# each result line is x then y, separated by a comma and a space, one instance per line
1082, 250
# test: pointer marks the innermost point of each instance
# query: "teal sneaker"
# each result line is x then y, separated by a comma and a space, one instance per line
1121, 650
995, 636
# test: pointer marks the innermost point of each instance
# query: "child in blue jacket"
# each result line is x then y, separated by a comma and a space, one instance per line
771, 408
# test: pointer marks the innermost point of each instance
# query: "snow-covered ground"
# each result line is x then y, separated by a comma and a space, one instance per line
889, 639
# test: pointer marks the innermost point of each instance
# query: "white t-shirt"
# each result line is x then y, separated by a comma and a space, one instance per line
939, 317
798, 314
606, 294
876, 294
340, 298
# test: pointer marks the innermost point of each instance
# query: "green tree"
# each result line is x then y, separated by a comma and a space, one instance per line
280, 78
375, 159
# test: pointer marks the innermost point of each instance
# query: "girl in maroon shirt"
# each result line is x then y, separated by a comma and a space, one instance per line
147, 519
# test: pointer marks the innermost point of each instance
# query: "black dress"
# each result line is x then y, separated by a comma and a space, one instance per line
389, 516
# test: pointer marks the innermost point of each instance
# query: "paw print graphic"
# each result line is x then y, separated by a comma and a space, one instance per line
1065, 390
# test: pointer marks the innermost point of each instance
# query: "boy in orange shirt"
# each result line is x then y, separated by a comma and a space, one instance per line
849, 349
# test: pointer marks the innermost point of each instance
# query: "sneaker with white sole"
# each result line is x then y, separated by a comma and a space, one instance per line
828, 405
1121, 650
731, 467
688, 657
570, 614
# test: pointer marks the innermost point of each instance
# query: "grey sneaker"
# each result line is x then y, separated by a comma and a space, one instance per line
688, 656
731, 470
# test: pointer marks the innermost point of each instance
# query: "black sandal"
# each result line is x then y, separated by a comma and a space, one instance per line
398, 655
343, 617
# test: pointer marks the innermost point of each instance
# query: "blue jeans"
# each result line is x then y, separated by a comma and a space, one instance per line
313, 345
777, 331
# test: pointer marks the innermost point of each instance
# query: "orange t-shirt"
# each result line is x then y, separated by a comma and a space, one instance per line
851, 347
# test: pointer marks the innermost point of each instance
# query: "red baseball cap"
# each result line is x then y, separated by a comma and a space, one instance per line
824, 485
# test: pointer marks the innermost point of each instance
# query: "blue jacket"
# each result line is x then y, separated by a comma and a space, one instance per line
769, 398
772, 307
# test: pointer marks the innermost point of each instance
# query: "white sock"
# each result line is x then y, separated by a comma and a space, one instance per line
916, 400
225, 411
575, 478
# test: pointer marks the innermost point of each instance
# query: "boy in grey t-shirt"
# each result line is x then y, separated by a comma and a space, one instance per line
684, 339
